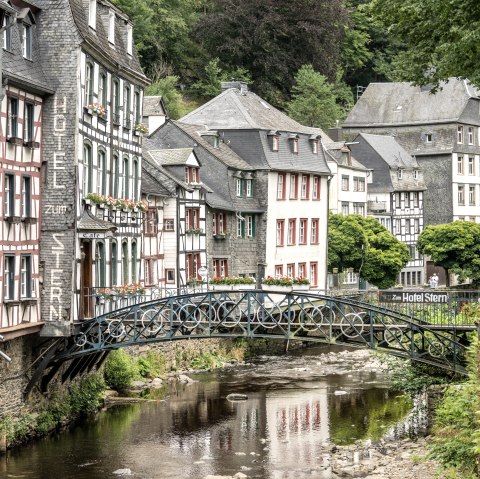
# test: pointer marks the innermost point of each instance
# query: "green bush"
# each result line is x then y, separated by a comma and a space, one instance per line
152, 366
86, 396
120, 370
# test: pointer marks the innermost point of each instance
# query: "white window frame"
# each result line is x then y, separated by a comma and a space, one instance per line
111, 27
92, 14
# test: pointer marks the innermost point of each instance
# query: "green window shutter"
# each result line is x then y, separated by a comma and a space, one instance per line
243, 229
253, 225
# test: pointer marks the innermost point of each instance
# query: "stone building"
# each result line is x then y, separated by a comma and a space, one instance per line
396, 190
288, 177
91, 150
23, 94
441, 130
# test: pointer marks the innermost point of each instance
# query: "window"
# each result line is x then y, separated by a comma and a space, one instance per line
314, 231
471, 165
9, 195
460, 165
304, 189
359, 209
292, 226
278, 270
416, 225
129, 39
316, 188
100, 264
103, 89
295, 145
398, 200
416, 201
293, 186
345, 185
127, 123
170, 276
249, 188
239, 186
27, 41
240, 229
134, 261
415, 174
302, 270
280, 232
8, 277
398, 226
471, 195
291, 270
470, 135
168, 224
126, 178
275, 143
125, 262
88, 83
350, 277
399, 173
250, 226
92, 14
116, 178
192, 265
218, 223
28, 122
315, 147
116, 102
281, 186
192, 218
102, 173
313, 274
407, 199
220, 267
149, 270
136, 180
12, 117
137, 107
461, 195
7, 33
151, 221
459, 134
302, 231
26, 280
26, 198
192, 174
113, 263
358, 184
87, 169
407, 226
111, 27
428, 138
413, 251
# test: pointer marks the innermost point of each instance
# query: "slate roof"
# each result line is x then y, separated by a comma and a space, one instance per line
401, 103
98, 39
172, 156
90, 223
153, 106
334, 151
155, 183
235, 110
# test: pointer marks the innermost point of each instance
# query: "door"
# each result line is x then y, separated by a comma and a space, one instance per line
86, 291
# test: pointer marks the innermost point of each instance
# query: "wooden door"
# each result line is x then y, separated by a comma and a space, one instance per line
86, 280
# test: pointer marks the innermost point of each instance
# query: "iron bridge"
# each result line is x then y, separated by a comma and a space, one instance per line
304, 316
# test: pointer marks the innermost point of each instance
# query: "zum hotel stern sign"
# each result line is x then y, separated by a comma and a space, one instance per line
412, 297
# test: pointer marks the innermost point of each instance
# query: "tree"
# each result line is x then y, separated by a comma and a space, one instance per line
442, 38
313, 100
454, 246
368, 247
273, 38
167, 89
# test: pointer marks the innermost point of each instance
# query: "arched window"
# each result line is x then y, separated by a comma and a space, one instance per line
100, 262
102, 89
113, 264
126, 178
87, 169
126, 106
102, 173
116, 177
136, 183
137, 107
88, 83
125, 262
134, 261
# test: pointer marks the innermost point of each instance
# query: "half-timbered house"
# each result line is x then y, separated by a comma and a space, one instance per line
23, 93
92, 157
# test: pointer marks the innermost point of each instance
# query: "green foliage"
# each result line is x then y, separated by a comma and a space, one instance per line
167, 89
152, 366
313, 100
86, 396
120, 370
456, 441
209, 86
208, 360
455, 246
442, 44
368, 247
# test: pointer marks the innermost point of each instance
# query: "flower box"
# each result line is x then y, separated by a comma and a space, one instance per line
220, 236
220, 287
29, 220
15, 140
34, 145
301, 287
277, 288
243, 287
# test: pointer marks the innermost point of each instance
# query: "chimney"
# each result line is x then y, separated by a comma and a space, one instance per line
239, 85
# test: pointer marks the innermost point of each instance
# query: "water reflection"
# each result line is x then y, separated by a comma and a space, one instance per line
291, 412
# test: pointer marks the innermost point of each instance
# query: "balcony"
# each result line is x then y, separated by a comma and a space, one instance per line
377, 206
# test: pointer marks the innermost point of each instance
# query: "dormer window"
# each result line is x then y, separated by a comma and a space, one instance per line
293, 139
428, 138
415, 174
295, 145
92, 14
111, 27
315, 147
275, 143
7, 33
27, 41
129, 39
212, 137
400, 174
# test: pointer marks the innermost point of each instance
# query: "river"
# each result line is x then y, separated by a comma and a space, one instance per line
296, 405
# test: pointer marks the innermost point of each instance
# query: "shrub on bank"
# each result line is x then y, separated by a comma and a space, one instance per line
120, 370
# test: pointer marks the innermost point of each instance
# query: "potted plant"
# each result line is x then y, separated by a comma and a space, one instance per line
140, 129
301, 284
194, 231
219, 283
281, 283
242, 283
97, 109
